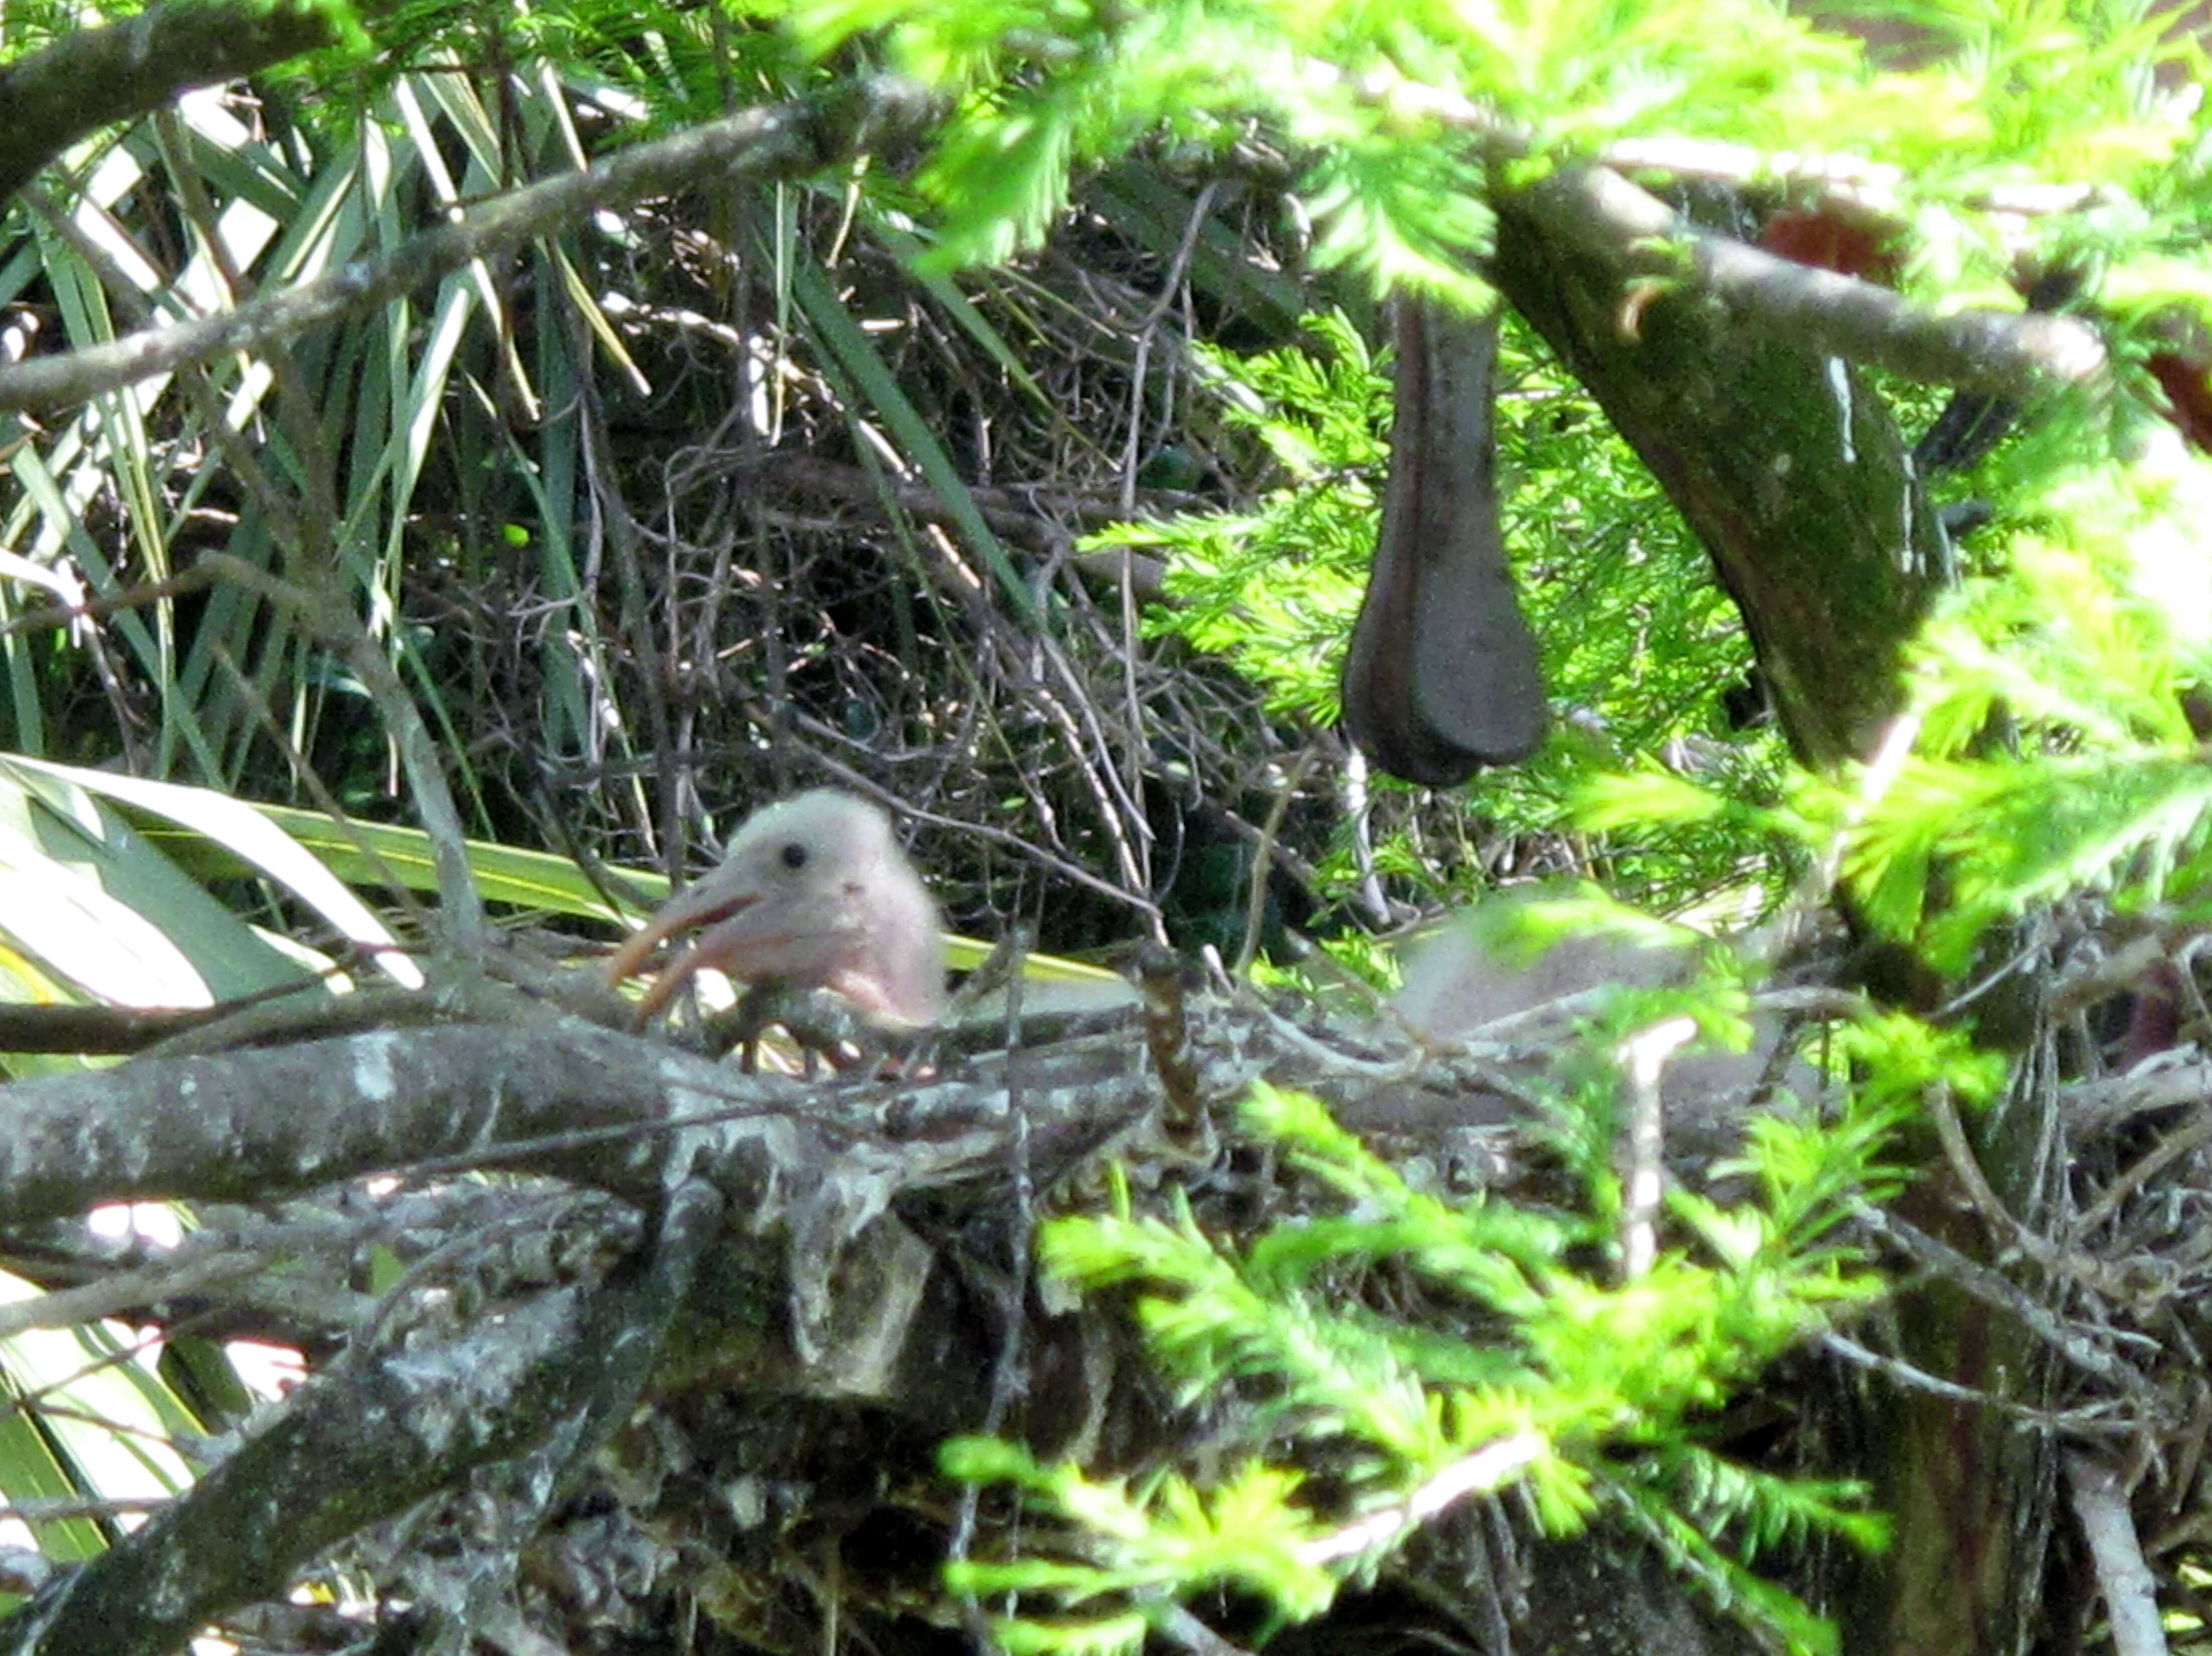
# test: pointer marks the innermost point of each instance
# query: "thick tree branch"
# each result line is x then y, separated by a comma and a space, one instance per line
374, 1437
568, 1099
254, 1125
94, 76
1787, 467
815, 1285
2017, 355
1604, 216
787, 141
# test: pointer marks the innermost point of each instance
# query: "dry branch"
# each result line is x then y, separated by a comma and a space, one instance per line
774, 1240
370, 1438
2100, 1502
809, 1172
2017, 355
93, 76
788, 141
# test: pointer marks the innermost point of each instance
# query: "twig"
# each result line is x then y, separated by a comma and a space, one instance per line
1179, 1626
2067, 1423
1644, 1056
1481, 1473
2077, 1266
250, 694
1994, 1289
1147, 328
67, 1307
2196, 1131
783, 141
58, 1509
2130, 1591
2097, 1106
1263, 860
192, 580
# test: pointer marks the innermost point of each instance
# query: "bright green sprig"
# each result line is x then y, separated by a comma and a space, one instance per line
1520, 1367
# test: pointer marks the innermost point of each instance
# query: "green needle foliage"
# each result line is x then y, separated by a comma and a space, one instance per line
2053, 754
1046, 89
1273, 591
1393, 1352
1636, 636
1506, 1352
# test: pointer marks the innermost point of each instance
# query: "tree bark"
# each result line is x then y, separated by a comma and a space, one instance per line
94, 76
1784, 462
1793, 473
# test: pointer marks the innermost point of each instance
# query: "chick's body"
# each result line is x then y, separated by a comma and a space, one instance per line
815, 892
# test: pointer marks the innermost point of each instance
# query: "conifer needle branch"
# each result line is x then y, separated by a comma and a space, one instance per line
1481, 1473
1590, 203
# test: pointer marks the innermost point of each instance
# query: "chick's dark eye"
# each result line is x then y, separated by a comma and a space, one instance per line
792, 856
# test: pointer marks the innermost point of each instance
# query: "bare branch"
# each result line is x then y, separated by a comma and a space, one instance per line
2015, 356
248, 1126
785, 141
2100, 1501
371, 1439
1594, 207
94, 76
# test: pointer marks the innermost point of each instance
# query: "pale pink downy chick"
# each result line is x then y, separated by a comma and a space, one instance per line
815, 894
